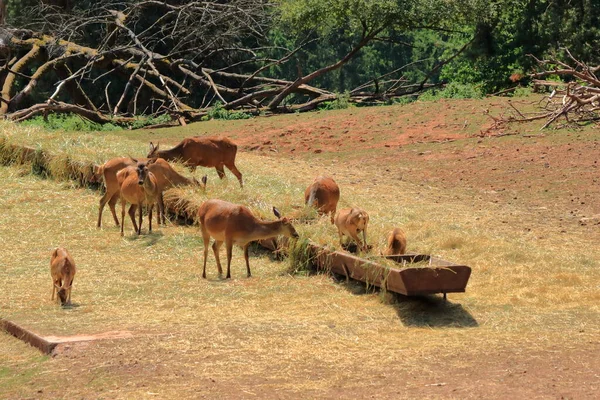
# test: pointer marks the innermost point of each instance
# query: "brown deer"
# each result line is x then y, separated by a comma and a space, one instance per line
138, 186
62, 270
233, 223
165, 175
396, 243
217, 152
350, 222
323, 194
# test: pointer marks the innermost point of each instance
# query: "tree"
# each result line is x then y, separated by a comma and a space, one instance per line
112, 60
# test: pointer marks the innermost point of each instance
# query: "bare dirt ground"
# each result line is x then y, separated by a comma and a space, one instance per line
517, 164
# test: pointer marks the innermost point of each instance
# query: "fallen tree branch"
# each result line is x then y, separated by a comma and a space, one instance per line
61, 107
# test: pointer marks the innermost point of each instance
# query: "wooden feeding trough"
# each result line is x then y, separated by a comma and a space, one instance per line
416, 274
434, 275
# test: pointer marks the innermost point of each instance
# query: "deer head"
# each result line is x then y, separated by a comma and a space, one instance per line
153, 150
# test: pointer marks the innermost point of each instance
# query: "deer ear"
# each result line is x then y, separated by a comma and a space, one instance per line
276, 212
151, 161
134, 159
151, 147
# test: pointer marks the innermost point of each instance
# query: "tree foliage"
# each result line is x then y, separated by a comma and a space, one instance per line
115, 60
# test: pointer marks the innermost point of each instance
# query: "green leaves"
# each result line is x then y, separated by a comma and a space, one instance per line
352, 16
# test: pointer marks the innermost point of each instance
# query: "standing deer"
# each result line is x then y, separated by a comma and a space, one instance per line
138, 186
62, 270
233, 223
396, 243
323, 194
217, 152
165, 175
350, 222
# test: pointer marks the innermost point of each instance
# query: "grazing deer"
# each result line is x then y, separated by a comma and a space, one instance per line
138, 186
396, 243
62, 270
233, 223
323, 194
350, 222
217, 152
165, 175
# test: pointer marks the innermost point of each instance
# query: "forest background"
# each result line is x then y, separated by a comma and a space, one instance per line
133, 63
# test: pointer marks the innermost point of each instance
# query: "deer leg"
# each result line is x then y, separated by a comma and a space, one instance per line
161, 209
103, 200
58, 285
220, 171
151, 206
206, 239
141, 208
355, 237
69, 291
216, 248
131, 213
123, 204
229, 246
246, 258
111, 204
237, 173
53, 289
341, 238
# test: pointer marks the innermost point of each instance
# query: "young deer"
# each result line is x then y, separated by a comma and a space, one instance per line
396, 243
350, 222
165, 175
324, 195
217, 152
138, 186
62, 270
233, 223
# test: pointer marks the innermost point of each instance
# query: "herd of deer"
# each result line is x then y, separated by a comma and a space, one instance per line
142, 182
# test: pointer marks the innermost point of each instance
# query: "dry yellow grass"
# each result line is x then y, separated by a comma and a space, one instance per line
299, 336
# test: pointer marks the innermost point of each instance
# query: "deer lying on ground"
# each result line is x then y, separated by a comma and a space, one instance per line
217, 152
62, 270
233, 223
350, 222
323, 194
396, 243
165, 175
138, 186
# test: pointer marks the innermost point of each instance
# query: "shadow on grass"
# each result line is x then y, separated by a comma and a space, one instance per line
72, 306
430, 311
256, 250
147, 239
